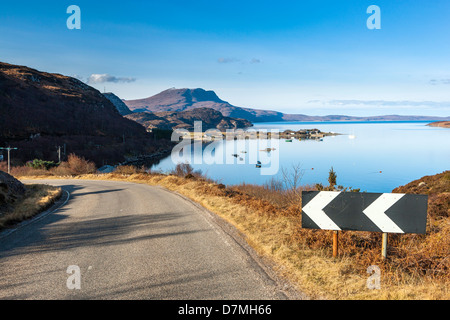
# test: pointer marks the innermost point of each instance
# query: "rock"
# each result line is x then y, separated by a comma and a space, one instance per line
11, 190
106, 169
422, 184
118, 103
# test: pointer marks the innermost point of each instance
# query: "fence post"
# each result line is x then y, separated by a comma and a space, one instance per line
335, 243
384, 240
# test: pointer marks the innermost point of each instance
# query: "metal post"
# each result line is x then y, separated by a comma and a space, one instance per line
335, 243
384, 241
9, 157
9, 162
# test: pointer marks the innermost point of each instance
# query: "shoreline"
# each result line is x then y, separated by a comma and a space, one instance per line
303, 134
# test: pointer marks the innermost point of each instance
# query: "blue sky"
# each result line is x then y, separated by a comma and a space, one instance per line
312, 57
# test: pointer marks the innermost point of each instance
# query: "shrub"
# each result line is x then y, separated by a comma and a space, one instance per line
61, 170
23, 171
186, 170
332, 177
3, 166
79, 165
41, 164
129, 170
74, 166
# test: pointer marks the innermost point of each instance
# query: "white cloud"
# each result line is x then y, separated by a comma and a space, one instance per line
102, 78
391, 103
234, 60
227, 60
439, 81
76, 76
385, 103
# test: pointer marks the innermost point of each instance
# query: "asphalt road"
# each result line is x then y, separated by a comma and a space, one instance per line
129, 241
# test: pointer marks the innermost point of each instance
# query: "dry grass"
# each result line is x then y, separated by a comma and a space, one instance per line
74, 165
417, 268
37, 198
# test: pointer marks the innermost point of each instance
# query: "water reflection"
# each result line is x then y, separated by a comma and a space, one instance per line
372, 156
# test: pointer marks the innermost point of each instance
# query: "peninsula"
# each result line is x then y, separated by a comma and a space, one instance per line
440, 124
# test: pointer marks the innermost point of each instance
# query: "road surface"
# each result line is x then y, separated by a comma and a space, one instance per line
129, 241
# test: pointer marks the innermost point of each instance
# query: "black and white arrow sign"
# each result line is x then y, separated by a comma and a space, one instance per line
378, 212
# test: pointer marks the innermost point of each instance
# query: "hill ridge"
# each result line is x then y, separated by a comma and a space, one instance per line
174, 99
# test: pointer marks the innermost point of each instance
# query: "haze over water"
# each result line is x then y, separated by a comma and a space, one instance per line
372, 156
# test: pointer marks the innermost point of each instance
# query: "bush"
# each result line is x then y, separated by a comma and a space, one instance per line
129, 170
332, 177
74, 166
41, 164
24, 171
79, 165
186, 170
61, 170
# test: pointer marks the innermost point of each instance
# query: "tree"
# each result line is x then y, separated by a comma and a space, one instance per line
332, 177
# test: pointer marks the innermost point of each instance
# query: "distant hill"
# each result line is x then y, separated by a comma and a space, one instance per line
40, 111
170, 120
188, 99
118, 103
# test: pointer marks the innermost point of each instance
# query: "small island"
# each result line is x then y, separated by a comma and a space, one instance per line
440, 124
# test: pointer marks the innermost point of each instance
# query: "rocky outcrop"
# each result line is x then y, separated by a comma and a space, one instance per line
11, 190
118, 103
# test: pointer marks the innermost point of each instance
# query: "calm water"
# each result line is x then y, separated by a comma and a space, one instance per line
373, 156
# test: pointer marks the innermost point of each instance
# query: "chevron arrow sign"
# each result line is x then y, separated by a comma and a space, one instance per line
377, 212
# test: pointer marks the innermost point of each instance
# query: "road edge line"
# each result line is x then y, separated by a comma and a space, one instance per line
56, 206
265, 265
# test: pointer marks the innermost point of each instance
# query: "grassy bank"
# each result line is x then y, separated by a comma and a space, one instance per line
37, 198
417, 267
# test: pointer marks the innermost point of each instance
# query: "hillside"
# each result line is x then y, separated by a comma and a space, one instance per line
437, 187
188, 99
40, 111
118, 103
169, 120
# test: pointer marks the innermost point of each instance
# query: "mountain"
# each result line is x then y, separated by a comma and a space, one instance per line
118, 103
40, 111
169, 120
188, 99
